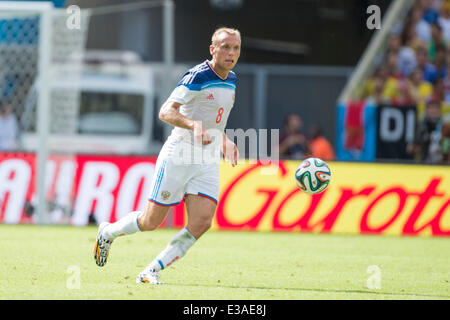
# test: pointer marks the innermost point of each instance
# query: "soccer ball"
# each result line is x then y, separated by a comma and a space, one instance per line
313, 175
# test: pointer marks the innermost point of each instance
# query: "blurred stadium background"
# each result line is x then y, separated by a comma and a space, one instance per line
81, 89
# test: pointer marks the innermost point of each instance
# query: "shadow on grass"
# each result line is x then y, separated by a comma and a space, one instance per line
311, 290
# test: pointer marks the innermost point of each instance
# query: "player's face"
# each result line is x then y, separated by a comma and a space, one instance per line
227, 50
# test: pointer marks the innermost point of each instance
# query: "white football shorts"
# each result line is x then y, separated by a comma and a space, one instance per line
172, 180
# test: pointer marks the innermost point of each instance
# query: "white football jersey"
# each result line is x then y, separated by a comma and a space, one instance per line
204, 97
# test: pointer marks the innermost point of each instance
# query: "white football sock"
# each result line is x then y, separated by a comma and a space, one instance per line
177, 247
126, 225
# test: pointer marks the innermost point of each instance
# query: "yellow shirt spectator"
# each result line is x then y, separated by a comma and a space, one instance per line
425, 91
390, 88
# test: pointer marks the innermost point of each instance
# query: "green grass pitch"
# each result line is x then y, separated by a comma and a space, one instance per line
38, 262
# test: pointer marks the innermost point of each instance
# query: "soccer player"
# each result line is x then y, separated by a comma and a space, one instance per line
188, 163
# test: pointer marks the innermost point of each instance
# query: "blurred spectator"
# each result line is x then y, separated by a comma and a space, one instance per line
439, 90
436, 4
439, 95
431, 13
392, 65
444, 21
377, 94
445, 143
429, 70
8, 128
374, 85
447, 86
406, 61
420, 26
320, 147
428, 134
292, 140
392, 85
403, 95
420, 89
394, 43
447, 54
409, 37
437, 39
440, 61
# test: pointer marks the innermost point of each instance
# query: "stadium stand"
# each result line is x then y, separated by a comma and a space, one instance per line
414, 70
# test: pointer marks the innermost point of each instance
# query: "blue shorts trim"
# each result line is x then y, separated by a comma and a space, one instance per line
164, 204
207, 196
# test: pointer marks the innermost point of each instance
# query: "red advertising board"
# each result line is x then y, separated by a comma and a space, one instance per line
361, 198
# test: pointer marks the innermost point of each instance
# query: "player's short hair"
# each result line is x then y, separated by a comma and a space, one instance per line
221, 30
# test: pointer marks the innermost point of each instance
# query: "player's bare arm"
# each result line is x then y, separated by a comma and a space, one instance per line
229, 150
170, 114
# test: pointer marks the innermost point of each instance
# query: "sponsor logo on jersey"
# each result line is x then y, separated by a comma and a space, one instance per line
210, 97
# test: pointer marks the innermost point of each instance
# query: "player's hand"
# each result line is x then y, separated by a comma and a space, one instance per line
230, 152
200, 134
